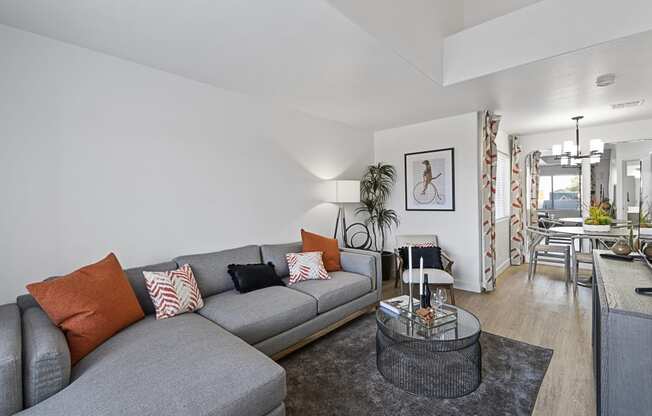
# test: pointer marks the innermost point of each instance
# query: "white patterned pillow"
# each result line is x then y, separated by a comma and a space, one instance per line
425, 244
306, 266
173, 292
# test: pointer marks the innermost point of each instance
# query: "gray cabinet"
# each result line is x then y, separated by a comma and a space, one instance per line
622, 338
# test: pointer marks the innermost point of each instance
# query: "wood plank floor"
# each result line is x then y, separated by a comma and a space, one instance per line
541, 312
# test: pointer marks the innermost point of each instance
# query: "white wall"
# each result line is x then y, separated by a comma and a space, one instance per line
459, 230
100, 154
502, 225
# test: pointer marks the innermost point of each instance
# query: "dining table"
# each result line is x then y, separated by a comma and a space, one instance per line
571, 220
579, 233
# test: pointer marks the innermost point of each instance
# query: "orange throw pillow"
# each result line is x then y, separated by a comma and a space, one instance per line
89, 305
328, 246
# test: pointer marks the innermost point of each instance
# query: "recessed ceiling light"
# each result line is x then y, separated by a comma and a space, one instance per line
627, 104
605, 80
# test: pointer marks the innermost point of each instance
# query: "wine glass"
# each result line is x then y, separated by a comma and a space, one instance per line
442, 295
438, 299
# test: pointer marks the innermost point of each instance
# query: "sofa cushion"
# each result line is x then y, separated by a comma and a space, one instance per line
329, 248
173, 292
306, 266
343, 287
258, 315
210, 269
27, 301
137, 281
46, 358
184, 365
275, 253
431, 257
90, 304
250, 277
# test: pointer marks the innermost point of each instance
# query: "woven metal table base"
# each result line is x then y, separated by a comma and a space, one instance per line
420, 367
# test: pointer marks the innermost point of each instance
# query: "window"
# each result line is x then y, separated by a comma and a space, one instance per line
559, 192
503, 197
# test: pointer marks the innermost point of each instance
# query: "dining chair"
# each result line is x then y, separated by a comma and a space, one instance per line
580, 257
552, 253
436, 278
547, 223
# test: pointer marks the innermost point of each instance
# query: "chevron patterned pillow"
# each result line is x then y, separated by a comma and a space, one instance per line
173, 292
306, 266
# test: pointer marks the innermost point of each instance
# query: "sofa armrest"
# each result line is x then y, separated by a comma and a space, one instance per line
367, 263
11, 368
46, 355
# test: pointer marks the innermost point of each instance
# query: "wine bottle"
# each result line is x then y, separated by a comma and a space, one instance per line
425, 296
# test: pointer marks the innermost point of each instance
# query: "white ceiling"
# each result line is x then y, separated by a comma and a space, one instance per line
310, 56
480, 11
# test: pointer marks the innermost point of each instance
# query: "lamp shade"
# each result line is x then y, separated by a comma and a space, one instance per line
344, 192
569, 147
597, 146
556, 150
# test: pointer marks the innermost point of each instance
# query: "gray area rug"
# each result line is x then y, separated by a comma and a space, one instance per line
337, 375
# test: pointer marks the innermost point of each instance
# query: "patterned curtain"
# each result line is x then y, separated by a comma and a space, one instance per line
488, 180
535, 158
516, 237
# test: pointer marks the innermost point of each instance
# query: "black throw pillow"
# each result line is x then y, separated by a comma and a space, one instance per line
431, 257
249, 277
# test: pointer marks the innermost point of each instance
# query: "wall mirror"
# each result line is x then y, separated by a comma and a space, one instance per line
622, 180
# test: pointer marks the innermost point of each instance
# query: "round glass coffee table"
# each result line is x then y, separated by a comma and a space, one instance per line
442, 362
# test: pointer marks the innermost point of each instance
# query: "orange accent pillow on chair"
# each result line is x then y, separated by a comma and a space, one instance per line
89, 305
328, 246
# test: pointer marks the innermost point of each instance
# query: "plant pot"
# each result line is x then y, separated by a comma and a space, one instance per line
594, 228
389, 265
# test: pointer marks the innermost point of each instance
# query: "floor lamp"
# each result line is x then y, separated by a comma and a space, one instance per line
343, 192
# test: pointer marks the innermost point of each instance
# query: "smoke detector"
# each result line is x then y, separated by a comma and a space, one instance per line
627, 104
605, 80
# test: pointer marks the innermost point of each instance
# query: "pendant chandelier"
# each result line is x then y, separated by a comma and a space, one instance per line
569, 154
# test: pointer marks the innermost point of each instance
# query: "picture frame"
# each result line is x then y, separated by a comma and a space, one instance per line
429, 178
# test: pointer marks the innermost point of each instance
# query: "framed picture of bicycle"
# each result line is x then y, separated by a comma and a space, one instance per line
430, 180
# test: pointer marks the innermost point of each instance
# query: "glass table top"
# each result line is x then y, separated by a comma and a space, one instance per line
465, 326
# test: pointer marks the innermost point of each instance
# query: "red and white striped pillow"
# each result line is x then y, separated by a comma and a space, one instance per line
306, 266
174, 292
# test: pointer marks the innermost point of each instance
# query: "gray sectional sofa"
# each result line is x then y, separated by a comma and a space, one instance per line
217, 361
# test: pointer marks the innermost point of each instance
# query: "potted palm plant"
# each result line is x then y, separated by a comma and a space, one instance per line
598, 220
375, 189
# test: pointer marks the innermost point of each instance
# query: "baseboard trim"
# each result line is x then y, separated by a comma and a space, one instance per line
502, 267
325, 331
462, 285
